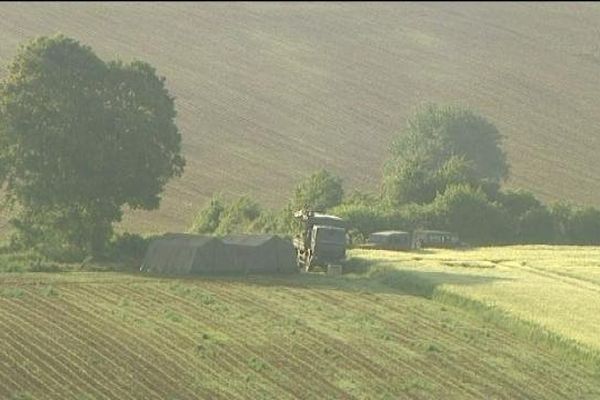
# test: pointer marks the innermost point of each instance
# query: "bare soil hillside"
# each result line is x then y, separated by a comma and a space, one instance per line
268, 92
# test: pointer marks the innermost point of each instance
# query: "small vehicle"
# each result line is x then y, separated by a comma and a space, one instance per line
388, 240
322, 242
430, 238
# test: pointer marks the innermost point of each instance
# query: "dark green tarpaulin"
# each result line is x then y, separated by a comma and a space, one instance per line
256, 254
181, 254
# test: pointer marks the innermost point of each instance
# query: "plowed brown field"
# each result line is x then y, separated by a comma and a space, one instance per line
268, 92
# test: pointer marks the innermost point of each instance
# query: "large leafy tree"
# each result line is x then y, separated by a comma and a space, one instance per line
443, 146
79, 139
319, 191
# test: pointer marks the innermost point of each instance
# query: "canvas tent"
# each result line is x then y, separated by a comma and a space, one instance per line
256, 254
180, 254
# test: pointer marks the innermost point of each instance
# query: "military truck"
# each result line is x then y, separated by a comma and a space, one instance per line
430, 238
388, 240
322, 241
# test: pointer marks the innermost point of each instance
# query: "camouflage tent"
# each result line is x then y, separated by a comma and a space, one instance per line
178, 254
256, 254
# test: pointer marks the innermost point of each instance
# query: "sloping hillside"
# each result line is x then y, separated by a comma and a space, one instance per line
268, 92
118, 336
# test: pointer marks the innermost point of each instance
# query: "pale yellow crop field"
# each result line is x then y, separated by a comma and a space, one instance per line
554, 286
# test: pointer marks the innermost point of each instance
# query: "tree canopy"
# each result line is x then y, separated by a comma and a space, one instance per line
443, 146
80, 138
319, 191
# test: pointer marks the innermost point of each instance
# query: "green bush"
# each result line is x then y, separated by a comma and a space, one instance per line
518, 202
468, 212
536, 226
361, 218
583, 226
209, 218
319, 191
128, 248
241, 216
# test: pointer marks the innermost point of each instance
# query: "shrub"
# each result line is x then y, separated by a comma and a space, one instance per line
319, 191
468, 212
209, 218
129, 248
361, 218
518, 202
241, 216
536, 226
584, 226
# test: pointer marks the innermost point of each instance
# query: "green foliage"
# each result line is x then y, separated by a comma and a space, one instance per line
362, 198
128, 248
584, 226
575, 225
363, 219
79, 139
561, 214
518, 202
408, 180
532, 222
319, 191
26, 261
239, 217
442, 146
468, 212
10, 292
208, 218
536, 226
243, 215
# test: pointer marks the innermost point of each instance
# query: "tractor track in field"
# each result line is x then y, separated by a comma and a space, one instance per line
308, 367
210, 322
64, 359
147, 306
375, 352
199, 338
83, 322
443, 336
467, 352
169, 369
570, 279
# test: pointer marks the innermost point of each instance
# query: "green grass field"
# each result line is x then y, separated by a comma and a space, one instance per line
265, 91
388, 332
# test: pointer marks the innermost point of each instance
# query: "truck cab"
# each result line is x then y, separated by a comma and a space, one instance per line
430, 238
323, 240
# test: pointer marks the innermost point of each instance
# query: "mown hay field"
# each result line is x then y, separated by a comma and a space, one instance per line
557, 287
107, 335
264, 92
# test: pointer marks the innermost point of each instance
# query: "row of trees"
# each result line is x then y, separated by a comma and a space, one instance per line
319, 191
81, 138
446, 172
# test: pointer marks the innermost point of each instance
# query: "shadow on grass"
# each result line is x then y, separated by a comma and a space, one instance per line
360, 276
